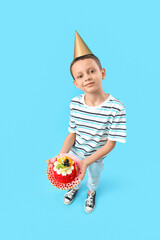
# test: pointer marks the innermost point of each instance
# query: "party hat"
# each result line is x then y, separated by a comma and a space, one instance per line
80, 48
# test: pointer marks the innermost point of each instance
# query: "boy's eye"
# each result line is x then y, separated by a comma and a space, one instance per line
92, 71
79, 76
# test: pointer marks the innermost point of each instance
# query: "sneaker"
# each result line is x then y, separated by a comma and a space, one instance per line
69, 196
90, 202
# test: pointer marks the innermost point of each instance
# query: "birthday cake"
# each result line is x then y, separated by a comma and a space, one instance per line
64, 169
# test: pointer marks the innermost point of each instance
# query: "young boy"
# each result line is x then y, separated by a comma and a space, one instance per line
97, 121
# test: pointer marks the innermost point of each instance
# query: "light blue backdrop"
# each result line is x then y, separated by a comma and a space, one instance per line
36, 49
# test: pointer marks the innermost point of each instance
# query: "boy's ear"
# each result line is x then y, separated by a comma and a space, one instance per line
75, 83
103, 73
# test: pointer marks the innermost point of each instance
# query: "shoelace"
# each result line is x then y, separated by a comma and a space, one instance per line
89, 200
71, 193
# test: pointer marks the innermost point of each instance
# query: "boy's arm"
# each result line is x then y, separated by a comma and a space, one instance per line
68, 143
101, 152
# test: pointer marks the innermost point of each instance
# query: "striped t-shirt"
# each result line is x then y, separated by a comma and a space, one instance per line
94, 125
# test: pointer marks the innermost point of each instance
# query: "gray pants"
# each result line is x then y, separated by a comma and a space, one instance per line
94, 173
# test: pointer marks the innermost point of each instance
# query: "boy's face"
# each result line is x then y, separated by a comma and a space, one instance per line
87, 75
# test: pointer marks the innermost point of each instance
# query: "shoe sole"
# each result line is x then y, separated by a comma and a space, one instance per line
67, 203
89, 211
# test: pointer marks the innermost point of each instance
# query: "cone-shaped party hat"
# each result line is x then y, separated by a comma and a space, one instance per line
80, 48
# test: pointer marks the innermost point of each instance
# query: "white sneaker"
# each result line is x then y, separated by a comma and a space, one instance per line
90, 202
69, 196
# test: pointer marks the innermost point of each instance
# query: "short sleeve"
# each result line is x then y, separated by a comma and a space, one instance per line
117, 131
72, 124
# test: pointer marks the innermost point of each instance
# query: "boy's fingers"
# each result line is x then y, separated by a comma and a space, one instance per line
48, 161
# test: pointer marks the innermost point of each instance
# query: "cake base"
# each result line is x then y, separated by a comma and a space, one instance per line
65, 179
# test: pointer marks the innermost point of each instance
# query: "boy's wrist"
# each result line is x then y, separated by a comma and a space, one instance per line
86, 162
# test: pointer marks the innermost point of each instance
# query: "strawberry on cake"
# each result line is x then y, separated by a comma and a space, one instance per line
64, 169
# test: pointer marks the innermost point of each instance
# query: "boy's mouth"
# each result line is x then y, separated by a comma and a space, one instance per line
89, 84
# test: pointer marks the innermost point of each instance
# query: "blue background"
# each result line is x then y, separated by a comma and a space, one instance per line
36, 49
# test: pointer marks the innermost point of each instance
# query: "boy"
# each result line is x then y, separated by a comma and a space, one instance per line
97, 121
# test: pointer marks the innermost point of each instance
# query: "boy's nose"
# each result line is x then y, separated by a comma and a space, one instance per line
87, 77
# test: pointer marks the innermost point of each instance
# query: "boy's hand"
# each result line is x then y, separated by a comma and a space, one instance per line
83, 169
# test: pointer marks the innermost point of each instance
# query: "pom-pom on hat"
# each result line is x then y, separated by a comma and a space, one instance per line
80, 48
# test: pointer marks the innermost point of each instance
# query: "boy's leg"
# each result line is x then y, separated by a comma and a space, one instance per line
78, 186
94, 172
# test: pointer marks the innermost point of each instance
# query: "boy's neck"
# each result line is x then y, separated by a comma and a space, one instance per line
95, 99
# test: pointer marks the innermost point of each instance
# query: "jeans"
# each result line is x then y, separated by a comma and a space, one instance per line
94, 172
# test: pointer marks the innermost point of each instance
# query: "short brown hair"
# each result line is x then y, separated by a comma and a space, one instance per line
85, 57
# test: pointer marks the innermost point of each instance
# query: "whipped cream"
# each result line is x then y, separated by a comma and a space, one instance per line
63, 171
